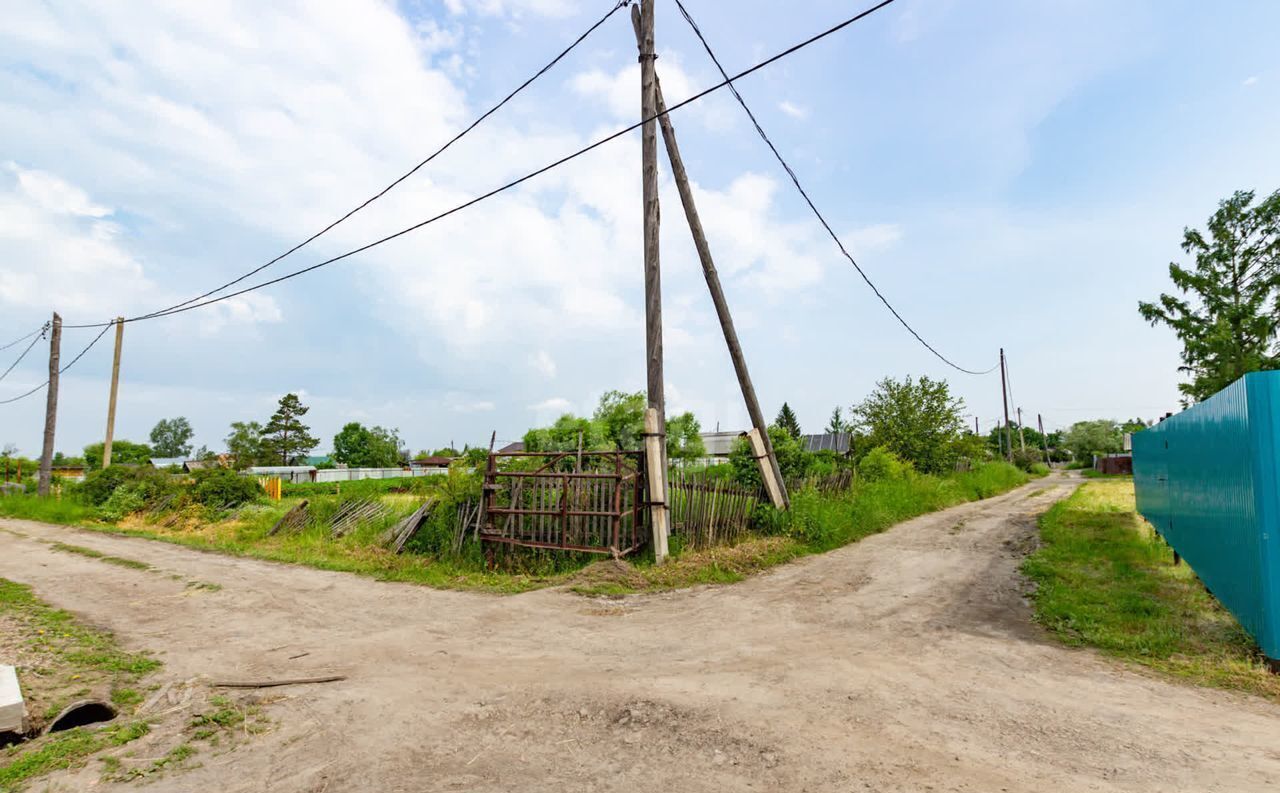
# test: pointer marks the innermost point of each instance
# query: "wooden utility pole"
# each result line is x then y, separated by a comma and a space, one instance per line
768, 461
50, 406
111, 402
1043, 437
1004, 395
976, 431
1022, 438
652, 283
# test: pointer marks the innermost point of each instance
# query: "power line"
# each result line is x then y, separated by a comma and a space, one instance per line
24, 352
16, 342
63, 369
515, 182
390, 187
796, 181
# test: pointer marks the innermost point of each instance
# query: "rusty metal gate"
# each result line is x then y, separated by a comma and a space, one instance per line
589, 501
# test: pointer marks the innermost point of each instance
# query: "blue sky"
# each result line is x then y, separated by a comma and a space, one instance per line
1010, 174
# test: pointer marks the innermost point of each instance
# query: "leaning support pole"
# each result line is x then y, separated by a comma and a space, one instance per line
51, 407
111, 400
778, 495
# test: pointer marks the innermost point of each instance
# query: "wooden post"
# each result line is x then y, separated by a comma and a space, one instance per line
1043, 437
50, 407
652, 271
712, 277
1022, 438
976, 431
772, 484
111, 401
657, 476
1004, 395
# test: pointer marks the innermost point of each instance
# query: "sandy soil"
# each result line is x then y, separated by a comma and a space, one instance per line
906, 662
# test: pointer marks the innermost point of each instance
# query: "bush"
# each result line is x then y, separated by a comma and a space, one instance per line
222, 487
880, 464
1026, 458
147, 484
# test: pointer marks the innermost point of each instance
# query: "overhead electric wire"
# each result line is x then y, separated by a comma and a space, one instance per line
515, 182
796, 181
16, 342
62, 369
24, 352
619, 4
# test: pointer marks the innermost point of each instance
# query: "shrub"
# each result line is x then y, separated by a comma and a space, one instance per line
1025, 458
147, 484
880, 464
222, 487
124, 500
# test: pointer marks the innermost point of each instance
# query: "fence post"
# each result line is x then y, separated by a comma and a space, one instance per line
653, 450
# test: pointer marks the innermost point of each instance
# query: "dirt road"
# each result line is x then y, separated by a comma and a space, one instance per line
906, 662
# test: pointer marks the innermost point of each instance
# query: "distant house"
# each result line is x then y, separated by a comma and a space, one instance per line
514, 446
838, 442
719, 444
75, 473
433, 461
289, 473
167, 462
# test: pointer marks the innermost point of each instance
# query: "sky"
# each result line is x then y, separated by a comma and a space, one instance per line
1010, 174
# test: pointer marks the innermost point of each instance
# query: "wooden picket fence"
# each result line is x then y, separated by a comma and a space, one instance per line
709, 511
273, 486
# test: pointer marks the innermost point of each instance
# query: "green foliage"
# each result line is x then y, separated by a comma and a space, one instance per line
1087, 438
793, 460
141, 486
1027, 458
475, 457
838, 424
223, 488
285, 438
563, 436
1228, 327
169, 438
246, 445
366, 447
684, 438
918, 420
880, 464
787, 420
620, 417
122, 453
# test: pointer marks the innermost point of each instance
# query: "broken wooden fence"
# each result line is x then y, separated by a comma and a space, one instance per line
709, 511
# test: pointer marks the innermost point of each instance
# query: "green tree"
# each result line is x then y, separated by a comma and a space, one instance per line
793, 460
285, 437
918, 420
1228, 328
170, 438
620, 418
563, 436
837, 424
366, 447
1087, 438
788, 421
122, 452
684, 437
245, 444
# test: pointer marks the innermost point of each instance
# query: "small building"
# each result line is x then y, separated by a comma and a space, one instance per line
74, 473
167, 462
838, 442
719, 444
431, 461
514, 446
288, 473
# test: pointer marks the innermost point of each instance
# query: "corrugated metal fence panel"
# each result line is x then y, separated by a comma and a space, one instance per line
1206, 480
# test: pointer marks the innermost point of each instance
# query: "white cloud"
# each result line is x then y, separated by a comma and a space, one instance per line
482, 406
544, 364
870, 239
554, 404
1251, 80
511, 8
793, 110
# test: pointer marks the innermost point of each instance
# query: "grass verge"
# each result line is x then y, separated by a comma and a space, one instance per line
60, 660
1105, 580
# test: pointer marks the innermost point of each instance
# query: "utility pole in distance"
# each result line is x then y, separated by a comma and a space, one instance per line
1022, 438
111, 401
769, 462
1004, 395
50, 407
1043, 437
656, 426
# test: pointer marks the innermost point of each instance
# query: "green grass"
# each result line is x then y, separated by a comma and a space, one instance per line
69, 661
1094, 473
62, 750
1105, 580
67, 511
119, 561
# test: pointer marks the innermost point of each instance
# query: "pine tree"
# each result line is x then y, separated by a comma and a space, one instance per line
1230, 329
787, 420
285, 436
837, 424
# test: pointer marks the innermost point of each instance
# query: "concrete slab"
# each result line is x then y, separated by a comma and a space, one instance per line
11, 706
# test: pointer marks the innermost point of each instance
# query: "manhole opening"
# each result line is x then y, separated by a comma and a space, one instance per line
78, 714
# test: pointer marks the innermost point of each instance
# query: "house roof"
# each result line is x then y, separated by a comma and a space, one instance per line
719, 444
514, 446
434, 461
837, 442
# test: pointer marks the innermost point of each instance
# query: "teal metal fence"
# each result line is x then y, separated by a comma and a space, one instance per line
1207, 480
